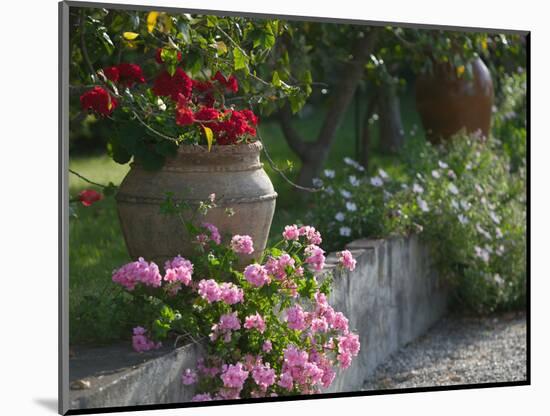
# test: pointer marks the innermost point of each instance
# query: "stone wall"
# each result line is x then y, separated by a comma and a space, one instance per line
392, 297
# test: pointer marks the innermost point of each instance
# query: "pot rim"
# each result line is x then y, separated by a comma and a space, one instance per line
243, 148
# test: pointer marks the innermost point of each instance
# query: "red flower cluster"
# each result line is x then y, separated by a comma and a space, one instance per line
172, 86
230, 83
207, 113
89, 196
125, 74
158, 56
238, 124
98, 100
184, 116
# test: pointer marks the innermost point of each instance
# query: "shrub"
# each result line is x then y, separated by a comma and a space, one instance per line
464, 202
269, 328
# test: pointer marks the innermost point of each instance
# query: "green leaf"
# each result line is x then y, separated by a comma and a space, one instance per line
119, 153
275, 80
240, 60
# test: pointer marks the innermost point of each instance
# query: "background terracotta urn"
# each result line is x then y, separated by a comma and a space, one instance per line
234, 173
448, 103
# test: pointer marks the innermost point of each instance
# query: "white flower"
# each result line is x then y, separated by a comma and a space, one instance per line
161, 105
353, 180
417, 189
340, 216
404, 186
423, 205
463, 219
442, 165
454, 204
465, 205
479, 189
350, 206
453, 189
349, 161
376, 181
317, 182
451, 174
500, 250
436, 174
419, 175
494, 217
345, 231
345, 194
498, 280
468, 166
383, 174
329, 173
482, 254
483, 232
498, 232
329, 190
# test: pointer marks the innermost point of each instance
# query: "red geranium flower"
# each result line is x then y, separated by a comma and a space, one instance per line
98, 100
89, 196
171, 86
130, 74
207, 113
112, 73
184, 115
230, 83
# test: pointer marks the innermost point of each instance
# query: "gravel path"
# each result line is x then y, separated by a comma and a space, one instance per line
458, 351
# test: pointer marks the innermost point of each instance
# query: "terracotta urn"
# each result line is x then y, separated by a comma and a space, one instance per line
233, 173
448, 103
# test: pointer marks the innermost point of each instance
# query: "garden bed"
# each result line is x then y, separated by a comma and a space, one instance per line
392, 297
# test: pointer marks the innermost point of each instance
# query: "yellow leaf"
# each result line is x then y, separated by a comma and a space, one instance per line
221, 47
460, 70
484, 44
130, 35
209, 136
152, 21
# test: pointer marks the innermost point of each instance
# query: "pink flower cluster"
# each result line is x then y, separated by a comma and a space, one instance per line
234, 376
226, 292
242, 244
315, 257
299, 371
178, 270
213, 233
136, 272
255, 321
292, 232
296, 318
189, 377
263, 375
256, 275
141, 342
348, 347
228, 323
346, 260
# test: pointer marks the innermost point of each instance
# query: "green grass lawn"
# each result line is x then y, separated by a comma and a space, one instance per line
96, 245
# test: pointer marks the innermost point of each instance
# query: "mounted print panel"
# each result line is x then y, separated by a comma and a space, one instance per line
266, 208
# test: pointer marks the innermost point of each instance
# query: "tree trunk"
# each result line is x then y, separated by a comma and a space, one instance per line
392, 135
314, 154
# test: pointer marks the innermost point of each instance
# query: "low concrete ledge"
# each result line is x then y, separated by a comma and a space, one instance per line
119, 376
392, 297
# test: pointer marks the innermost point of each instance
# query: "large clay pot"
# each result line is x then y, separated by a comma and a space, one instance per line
448, 103
234, 173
